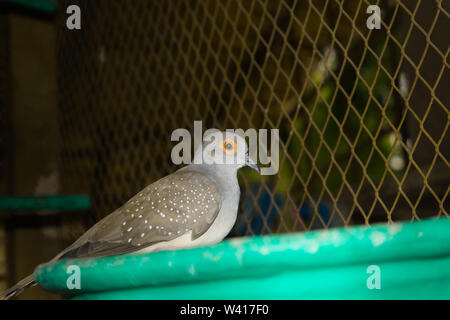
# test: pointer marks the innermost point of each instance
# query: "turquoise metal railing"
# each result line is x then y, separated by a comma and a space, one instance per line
413, 260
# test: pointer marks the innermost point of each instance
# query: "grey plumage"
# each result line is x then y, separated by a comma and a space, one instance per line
184, 201
18, 288
194, 206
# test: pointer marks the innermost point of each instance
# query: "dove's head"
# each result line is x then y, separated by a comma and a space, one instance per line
224, 148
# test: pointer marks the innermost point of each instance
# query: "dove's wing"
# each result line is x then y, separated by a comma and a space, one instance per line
178, 203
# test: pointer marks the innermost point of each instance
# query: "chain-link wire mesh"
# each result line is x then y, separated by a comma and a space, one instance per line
363, 114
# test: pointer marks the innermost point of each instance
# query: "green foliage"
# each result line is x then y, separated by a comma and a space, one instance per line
342, 131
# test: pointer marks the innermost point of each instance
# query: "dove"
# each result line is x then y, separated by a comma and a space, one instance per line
196, 205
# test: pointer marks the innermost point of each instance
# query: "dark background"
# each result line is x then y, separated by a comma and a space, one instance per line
363, 115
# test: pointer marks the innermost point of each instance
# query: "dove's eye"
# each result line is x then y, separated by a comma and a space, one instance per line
229, 146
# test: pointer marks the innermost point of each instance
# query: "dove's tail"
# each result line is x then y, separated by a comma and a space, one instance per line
18, 288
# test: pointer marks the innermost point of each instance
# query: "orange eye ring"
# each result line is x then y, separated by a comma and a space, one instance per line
229, 146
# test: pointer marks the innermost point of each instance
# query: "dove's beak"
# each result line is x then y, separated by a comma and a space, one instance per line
252, 164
